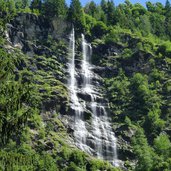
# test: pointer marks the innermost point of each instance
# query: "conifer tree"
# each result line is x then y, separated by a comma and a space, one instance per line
54, 8
167, 5
36, 4
11, 6
103, 5
168, 19
91, 8
18, 4
76, 15
25, 3
110, 12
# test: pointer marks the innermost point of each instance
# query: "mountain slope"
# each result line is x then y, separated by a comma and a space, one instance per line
35, 103
35, 97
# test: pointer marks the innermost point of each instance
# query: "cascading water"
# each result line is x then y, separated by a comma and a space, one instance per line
96, 136
80, 129
73, 82
105, 141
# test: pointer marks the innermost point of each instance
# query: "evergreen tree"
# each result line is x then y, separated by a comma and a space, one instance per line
158, 21
162, 145
13, 94
150, 6
54, 8
167, 5
25, 3
103, 5
168, 19
76, 15
145, 25
143, 151
168, 24
11, 6
36, 5
91, 8
2, 6
18, 4
110, 12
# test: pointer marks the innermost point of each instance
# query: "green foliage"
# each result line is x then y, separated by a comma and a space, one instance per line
129, 16
143, 151
90, 8
36, 5
17, 161
162, 145
21, 4
127, 53
52, 8
137, 81
73, 167
78, 158
99, 29
165, 48
110, 13
145, 25
7, 12
136, 98
100, 165
13, 95
90, 22
76, 15
118, 93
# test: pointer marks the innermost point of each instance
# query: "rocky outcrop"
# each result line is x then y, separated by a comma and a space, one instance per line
110, 56
138, 62
29, 32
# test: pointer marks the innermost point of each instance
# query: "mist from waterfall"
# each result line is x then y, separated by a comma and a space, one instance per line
96, 136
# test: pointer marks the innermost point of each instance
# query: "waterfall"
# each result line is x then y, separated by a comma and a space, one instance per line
72, 82
105, 140
94, 136
80, 129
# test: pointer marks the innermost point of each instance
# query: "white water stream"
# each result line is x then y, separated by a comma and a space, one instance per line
97, 137
80, 129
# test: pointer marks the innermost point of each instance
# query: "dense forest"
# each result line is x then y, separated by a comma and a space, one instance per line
131, 46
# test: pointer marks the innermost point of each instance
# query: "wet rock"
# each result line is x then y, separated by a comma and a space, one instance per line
126, 132
70, 130
49, 145
87, 115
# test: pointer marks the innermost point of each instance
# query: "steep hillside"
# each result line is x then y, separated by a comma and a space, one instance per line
34, 99
136, 74
97, 98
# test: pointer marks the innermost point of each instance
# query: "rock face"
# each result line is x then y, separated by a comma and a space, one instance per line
25, 28
28, 32
30, 27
